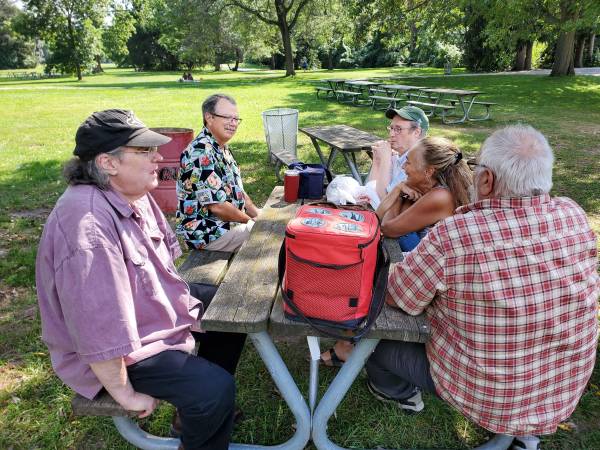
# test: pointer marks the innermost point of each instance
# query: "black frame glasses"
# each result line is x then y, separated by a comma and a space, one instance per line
228, 118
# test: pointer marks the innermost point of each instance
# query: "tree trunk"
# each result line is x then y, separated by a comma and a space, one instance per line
330, 59
529, 56
521, 56
273, 61
592, 41
579, 47
238, 58
98, 68
217, 63
73, 49
285, 37
563, 55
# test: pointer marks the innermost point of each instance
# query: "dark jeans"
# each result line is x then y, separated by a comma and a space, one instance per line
203, 393
397, 368
201, 387
224, 349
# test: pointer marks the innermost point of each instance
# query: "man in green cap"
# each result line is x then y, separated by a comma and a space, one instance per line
409, 124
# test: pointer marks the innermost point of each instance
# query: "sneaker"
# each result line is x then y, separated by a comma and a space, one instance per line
413, 404
526, 443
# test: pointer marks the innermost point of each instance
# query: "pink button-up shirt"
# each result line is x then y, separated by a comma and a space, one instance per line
510, 288
107, 286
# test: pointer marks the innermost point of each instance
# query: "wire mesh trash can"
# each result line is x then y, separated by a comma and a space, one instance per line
281, 133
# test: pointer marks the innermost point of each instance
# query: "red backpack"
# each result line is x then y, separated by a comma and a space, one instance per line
333, 269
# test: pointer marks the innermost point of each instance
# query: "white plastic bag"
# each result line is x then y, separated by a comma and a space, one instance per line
341, 190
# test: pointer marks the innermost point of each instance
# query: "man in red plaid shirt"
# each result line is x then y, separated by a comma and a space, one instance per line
510, 287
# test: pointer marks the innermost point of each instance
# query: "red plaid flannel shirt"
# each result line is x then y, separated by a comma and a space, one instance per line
510, 287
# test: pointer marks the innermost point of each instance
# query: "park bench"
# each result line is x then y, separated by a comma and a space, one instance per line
431, 108
487, 106
329, 92
389, 102
348, 96
199, 267
282, 158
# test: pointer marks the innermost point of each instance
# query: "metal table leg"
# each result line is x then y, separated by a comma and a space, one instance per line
133, 434
336, 392
353, 168
289, 391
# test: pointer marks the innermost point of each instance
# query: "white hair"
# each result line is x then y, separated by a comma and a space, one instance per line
521, 159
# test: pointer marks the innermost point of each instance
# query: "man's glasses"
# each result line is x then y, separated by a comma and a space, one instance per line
473, 164
228, 118
398, 130
148, 152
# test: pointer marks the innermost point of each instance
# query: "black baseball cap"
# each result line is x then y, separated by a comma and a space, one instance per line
107, 130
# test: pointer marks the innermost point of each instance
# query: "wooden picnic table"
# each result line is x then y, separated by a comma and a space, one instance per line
396, 89
363, 87
344, 139
435, 101
249, 301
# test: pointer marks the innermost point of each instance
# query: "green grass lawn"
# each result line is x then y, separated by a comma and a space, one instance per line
38, 120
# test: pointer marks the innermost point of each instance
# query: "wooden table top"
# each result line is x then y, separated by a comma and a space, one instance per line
342, 137
452, 91
402, 87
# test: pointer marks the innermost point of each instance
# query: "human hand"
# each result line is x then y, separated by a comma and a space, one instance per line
382, 151
406, 191
138, 402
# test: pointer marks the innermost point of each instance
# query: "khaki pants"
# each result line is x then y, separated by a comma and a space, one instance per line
233, 239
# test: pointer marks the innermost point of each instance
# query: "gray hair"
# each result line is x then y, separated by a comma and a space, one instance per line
77, 171
521, 159
209, 105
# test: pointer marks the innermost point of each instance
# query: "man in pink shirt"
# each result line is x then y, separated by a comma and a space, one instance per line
115, 313
510, 285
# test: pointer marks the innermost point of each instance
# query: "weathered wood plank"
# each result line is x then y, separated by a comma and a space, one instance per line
205, 267
245, 296
391, 324
102, 405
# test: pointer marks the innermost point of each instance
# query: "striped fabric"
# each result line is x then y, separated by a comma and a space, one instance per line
510, 287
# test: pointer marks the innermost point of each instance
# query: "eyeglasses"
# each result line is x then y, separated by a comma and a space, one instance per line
148, 152
473, 164
228, 118
398, 130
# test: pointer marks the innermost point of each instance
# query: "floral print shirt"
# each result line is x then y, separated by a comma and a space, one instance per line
208, 174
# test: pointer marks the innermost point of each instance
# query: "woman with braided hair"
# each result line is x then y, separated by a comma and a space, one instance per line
438, 181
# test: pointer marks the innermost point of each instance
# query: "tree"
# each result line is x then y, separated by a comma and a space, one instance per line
71, 28
115, 36
16, 50
572, 16
282, 13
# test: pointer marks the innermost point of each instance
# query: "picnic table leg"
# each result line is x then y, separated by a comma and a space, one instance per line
133, 434
332, 153
336, 392
465, 110
352, 166
289, 391
319, 151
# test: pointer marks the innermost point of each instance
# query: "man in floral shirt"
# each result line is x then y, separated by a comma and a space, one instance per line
214, 213
510, 285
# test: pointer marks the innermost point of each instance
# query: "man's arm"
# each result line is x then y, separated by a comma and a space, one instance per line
228, 213
251, 208
113, 376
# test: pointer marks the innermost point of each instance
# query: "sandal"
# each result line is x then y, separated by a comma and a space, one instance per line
333, 361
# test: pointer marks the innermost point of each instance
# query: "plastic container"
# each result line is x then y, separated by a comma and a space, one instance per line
168, 168
291, 184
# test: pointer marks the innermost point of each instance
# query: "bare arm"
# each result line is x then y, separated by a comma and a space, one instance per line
227, 212
381, 170
113, 376
434, 206
251, 208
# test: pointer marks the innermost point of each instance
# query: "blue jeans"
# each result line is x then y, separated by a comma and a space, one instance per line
410, 240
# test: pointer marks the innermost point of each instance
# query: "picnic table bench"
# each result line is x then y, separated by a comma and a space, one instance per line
249, 301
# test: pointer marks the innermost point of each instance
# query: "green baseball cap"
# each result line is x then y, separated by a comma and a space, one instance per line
411, 113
